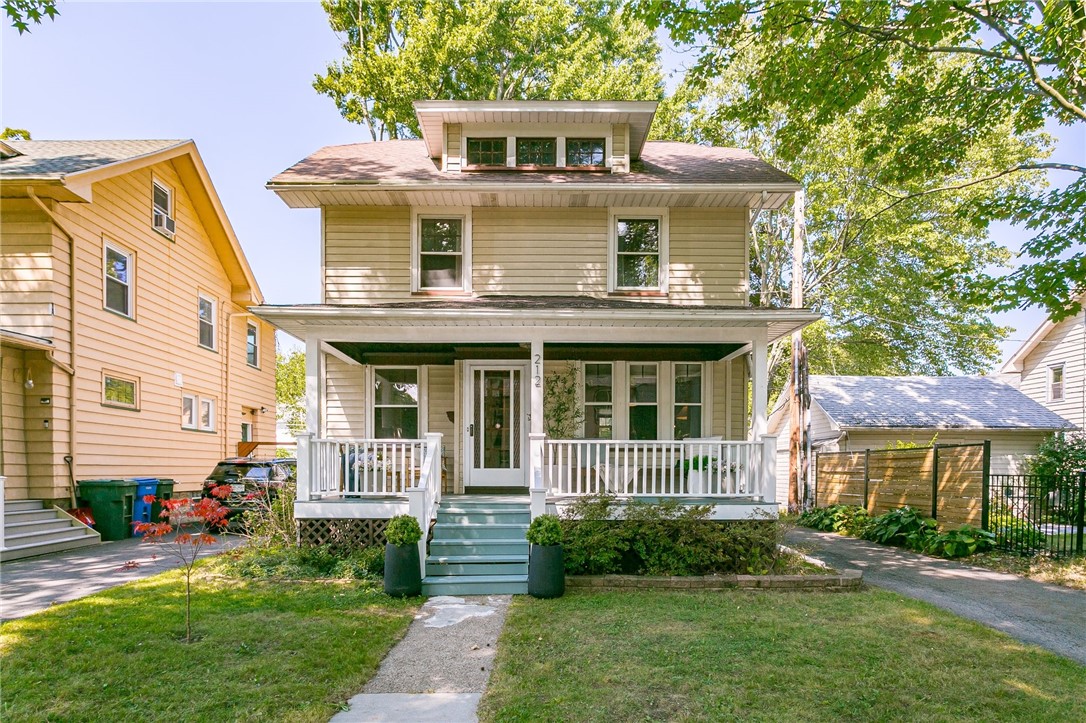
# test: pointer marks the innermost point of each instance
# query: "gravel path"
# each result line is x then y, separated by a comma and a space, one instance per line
32, 584
1049, 616
439, 671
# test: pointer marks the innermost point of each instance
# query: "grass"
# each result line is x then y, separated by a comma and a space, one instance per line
282, 651
872, 655
1068, 572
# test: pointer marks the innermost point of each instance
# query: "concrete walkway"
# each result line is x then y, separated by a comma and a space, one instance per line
32, 584
438, 672
1049, 616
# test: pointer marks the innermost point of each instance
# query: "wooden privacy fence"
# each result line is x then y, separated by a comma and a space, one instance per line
945, 481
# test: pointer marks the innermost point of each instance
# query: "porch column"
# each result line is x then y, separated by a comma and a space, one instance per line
313, 385
759, 386
536, 437
536, 367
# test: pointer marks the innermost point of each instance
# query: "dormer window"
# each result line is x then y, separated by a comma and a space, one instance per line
537, 151
486, 151
585, 151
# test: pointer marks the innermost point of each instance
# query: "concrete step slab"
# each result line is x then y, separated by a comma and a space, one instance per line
476, 585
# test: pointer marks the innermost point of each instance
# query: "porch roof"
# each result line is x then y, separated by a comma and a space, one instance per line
550, 318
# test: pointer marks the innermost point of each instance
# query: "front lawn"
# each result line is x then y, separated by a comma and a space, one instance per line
872, 655
265, 651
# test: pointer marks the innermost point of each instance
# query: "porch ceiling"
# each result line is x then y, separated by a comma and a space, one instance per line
417, 354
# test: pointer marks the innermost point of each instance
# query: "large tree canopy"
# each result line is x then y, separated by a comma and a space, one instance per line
1016, 65
399, 51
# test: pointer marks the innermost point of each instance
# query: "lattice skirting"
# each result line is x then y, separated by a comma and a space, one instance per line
342, 535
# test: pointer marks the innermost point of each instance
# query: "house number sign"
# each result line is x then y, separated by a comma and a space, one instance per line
537, 370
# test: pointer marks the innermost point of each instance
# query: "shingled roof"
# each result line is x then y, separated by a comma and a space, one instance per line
56, 159
399, 161
930, 403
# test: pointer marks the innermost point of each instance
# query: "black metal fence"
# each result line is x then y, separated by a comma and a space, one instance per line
1034, 514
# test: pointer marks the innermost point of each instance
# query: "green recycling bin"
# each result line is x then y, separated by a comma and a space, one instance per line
165, 492
111, 502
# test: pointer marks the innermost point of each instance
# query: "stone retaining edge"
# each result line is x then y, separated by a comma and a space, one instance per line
845, 580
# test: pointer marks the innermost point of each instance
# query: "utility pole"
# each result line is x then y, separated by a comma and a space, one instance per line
798, 393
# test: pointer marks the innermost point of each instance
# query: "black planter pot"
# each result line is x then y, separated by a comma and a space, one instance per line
546, 571
403, 578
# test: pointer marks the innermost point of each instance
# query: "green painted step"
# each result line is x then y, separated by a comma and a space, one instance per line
515, 546
483, 531
479, 517
485, 567
476, 585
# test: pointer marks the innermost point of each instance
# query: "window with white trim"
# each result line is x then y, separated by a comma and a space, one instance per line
162, 208
598, 400
638, 251
197, 413
441, 251
396, 403
252, 344
590, 152
1055, 383
246, 431
118, 391
118, 276
205, 315
689, 404
642, 409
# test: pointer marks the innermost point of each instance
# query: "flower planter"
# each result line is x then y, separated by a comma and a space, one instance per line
403, 576
546, 571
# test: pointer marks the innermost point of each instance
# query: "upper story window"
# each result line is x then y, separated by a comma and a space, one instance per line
442, 251
585, 151
537, 151
598, 399
252, 344
118, 277
486, 151
162, 209
396, 403
1055, 383
638, 252
205, 315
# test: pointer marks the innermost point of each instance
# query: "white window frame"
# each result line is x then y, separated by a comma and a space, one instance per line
702, 404
246, 432
658, 214
1052, 395
201, 296
255, 363
195, 421
417, 216
661, 398
371, 396
130, 285
134, 381
586, 403
155, 208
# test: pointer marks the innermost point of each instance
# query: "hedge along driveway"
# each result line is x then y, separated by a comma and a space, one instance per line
767, 656
1046, 615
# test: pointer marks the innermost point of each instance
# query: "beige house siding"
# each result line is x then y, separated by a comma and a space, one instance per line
1065, 344
531, 251
453, 147
345, 399
157, 343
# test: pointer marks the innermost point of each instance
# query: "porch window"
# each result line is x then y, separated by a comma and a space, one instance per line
1055, 383
118, 276
205, 315
396, 403
643, 404
585, 151
598, 398
537, 151
441, 253
638, 251
688, 400
486, 151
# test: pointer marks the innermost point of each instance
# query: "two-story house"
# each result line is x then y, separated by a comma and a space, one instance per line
460, 270
1050, 366
127, 346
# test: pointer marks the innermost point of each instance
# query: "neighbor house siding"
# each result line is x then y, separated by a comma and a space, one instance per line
1065, 344
12, 422
33, 271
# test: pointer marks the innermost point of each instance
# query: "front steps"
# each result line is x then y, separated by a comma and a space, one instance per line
31, 528
478, 547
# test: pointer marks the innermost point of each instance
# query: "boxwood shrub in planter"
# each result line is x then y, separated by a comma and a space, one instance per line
403, 576
546, 566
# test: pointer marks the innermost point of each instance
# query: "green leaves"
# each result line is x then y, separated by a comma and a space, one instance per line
23, 12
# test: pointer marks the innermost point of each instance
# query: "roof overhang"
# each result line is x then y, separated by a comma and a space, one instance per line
681, 324
433, 114
19, 340
769, 196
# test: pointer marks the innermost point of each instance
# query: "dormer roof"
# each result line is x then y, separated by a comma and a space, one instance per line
433, 114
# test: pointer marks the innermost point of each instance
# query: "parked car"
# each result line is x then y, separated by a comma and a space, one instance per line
248, 478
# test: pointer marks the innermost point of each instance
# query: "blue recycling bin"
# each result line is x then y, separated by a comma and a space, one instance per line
141, 511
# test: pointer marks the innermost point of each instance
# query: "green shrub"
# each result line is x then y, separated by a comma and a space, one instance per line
591, 541
962, 542
271, 523
904, 527
305, 563
545, 530
1006, 525
403, 530
843, 519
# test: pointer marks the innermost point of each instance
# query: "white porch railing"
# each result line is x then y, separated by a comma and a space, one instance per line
425, 496
661, 468
359, 467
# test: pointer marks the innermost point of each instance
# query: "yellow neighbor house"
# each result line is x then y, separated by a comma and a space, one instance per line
140, 358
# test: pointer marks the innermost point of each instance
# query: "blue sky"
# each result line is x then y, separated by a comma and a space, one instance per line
235, 77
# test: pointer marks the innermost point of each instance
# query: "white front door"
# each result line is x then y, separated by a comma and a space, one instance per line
497, 429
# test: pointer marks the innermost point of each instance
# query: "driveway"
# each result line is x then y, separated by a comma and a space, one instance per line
32, 584
1049, 616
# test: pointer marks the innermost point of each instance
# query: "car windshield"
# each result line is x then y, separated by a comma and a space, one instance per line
233, 470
